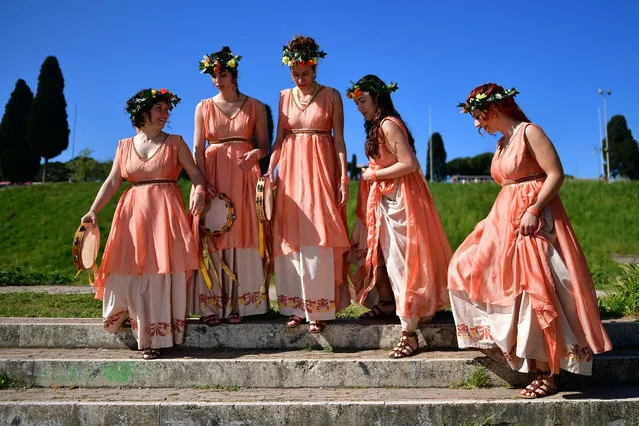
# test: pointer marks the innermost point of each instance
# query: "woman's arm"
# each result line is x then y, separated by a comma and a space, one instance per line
277, 146
106, 192
199, 140
248, 160
196, 204
340, 146
544, 152
399, 145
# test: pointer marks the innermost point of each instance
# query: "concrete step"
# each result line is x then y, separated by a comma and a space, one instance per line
255, 334
283, 369
316, 406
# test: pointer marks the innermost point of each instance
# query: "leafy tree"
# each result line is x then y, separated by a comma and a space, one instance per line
269, 123
56, 172
18, 162
87, 169
478, 165
439, 158
623, 149
48, 128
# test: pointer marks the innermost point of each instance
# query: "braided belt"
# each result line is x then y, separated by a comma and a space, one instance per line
309, 131
153, 182
231, 139
538, 176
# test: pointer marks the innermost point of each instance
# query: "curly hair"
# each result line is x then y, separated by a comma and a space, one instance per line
306, 46
385, 108
133, 104
506, 106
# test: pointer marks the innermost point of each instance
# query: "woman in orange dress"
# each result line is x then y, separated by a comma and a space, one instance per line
150, 251
310, 236
408, 251
233, 284
519, 283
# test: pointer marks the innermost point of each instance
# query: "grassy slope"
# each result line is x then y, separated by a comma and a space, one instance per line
37, 223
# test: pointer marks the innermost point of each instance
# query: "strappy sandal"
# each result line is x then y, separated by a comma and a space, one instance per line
293, 321
539, 388
211, 320
235, 318
403, 348
316, 326
150, 354
377, 311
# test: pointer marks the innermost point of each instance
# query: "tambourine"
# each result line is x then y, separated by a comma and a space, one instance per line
218, 215
86, 244
264, 199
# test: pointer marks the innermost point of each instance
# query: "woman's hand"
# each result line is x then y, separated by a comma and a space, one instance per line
197, 203
368, 174
249, 159
343, 194
90, 217
529, 224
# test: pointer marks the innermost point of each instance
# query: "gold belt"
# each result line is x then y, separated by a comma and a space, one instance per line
153, 182
311, 131
231, 139
538, 176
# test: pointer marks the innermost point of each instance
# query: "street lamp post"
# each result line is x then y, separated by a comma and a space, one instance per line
604, 93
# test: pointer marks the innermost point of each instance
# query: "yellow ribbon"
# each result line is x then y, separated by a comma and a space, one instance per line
261, 238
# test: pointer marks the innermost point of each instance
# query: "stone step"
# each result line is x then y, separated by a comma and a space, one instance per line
316, 406
282, 369
254, 334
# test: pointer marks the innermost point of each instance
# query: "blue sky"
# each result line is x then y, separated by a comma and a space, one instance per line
557, 53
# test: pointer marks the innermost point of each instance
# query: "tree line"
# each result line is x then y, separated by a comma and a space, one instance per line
34, 127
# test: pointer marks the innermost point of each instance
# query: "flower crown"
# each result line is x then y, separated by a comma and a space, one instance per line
216, 62
307, 56
481, 100
364, 87
150, 97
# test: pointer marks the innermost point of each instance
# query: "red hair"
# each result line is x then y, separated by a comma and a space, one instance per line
506, 106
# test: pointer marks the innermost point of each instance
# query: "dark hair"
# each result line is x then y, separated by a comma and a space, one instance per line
303, 44
141, 105
224, 56
506, 106
385, 108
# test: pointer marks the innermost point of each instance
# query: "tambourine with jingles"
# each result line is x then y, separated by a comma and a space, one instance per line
218, 215
264, 199
86, 244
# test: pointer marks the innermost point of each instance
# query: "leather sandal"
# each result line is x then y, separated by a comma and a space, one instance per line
293, 321
380, 310
316, 326
211, 320
403, 348
541, 387
150, 354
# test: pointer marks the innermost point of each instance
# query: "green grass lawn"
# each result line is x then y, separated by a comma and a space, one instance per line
37, 223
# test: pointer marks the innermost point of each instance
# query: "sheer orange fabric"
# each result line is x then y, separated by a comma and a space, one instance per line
150, 232
308, 177
427, 249
495, 263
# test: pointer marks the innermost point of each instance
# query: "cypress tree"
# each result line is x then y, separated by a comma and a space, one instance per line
47, 126
18, 162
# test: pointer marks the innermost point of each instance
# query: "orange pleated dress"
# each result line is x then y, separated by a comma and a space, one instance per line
404, 225
245, 290
150, 251
531, 297
310, 236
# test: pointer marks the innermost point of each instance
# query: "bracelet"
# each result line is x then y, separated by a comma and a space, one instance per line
345, 180
533, 211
